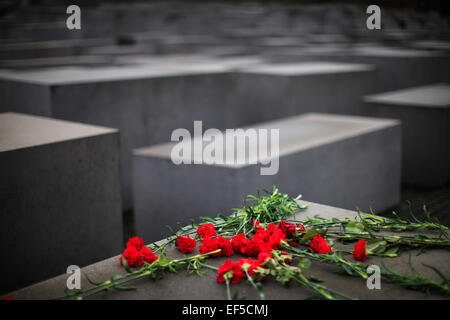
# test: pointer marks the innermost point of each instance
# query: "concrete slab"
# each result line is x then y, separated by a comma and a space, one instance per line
296, 88
60, 194
56, 62
425, 115
338, 160
397, 68
190, 286
50, 48
145, 101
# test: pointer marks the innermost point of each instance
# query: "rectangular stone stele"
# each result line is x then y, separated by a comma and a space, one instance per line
183, 285
277, 90
344, 161
425, 115
145, 100
60, 197
397, 68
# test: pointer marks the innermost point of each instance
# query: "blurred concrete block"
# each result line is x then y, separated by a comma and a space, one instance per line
338, 160
49, 49
425, 115
145, 101
60, 197
397, 68
287, 89
56, 62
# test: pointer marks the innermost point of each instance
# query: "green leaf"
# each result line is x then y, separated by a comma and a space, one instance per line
314, 278
311, 233
391, 252
116, 277
125, 264
305, 263
376, 246
92, 282
354, 227
347, 269
125, 288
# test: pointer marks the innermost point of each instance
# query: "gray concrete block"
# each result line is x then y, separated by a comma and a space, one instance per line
150, 97
396, 68
50, 48
184, 285
145, 101
425, 115
287, 89
60, 197
56, 62
338, 160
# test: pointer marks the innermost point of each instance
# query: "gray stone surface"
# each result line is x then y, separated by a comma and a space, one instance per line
338, 160
425, 115
60, 197
51, 48
287, 89
191, 286
145, 101
148, 97
397, 68
56, 62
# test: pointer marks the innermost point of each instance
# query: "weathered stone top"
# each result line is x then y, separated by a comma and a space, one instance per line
19, 131
306, 68
77, 75
190, 286
363, 50
378, 51
435, 96
296, 134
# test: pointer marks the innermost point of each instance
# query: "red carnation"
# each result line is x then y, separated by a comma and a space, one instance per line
233, 268
206, 230
319, 245
256, 224
251, 247
276, 238
251, 264
271, 228
226, 246
289, 229
186, 244
136, 242
238, 241
148, 255
359, 253
264, 256
209, 245
132, 256
292, 243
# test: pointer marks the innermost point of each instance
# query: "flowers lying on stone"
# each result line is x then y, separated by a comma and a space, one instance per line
263, 240
136, 253
186, 244
206, 230
359, 252
291, 230
234, 272
260, 230
319, 245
